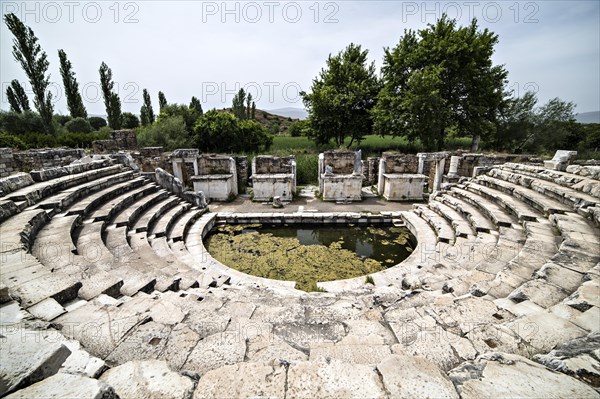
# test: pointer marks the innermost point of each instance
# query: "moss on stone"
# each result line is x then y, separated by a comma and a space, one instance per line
285, 258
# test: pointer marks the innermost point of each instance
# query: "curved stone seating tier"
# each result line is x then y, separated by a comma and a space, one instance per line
38, 191
477, 219
504, 283
148, 218
585, 184
132, 212
108, 209
461, 226
571, 198
85, 205
443, 228
515, 207
487, 207
165, 221
531, 197
66, 197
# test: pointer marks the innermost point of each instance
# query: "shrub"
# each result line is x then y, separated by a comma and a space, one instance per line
97, 122
223, 132
80, 140
129, 121
39, 140
79, 125
20, 123
9, 141
62, 119
169, 133
307, 169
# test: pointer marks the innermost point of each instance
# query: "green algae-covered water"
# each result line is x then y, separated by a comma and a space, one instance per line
309, 253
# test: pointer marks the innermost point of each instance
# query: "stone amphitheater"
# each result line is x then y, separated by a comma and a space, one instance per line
107, 291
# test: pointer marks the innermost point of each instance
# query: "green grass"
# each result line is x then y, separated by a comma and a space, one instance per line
372, 145
306, 151
307, 166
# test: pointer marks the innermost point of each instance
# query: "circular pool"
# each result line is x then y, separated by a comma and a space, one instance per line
308, 253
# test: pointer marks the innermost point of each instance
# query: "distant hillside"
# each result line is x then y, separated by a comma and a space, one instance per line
268, 119
294, 113
588, 117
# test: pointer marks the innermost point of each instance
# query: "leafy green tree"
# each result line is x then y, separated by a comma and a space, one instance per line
253, 110
196, 105
523, 127
249, 103
146, 112
74, 101
111, 99
79, 125
34, 61
17, 98
162, 101
97, 122
168, 132
443, 72
342, 97
19, 124
516, 122
189, 115
238, 106
300, 128
253, 137
218, 131
129, 120
61, 120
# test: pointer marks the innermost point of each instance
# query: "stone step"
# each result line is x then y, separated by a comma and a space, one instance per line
15, 182
515, 207
182, 224
489, 208
110, 208
85, 205
444, 230
74, 168
580, 183
501, 180
28, 356
567, 195
129, 215
477, 219
462, 227
67, 385
38, 191
149, 217
54, 245
165, 221
19, 231
67, 197
8, 208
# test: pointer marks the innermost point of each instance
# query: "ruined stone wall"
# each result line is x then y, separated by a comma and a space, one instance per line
7, 162
120, 140
150, 158
470, 161
45, 158
371, 171
342, 162
267, 164
213, 164
243, 172
400, 163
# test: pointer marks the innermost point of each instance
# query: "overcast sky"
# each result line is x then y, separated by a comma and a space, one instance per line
274, 48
